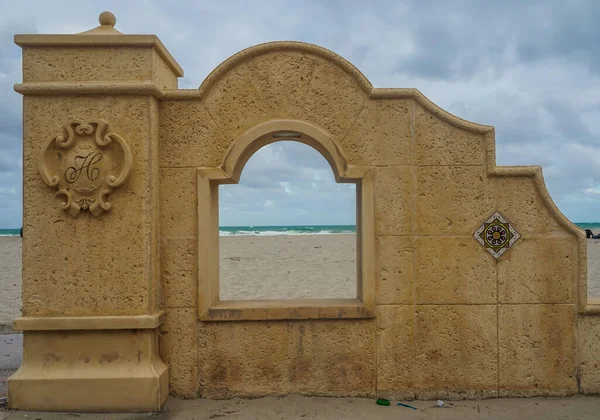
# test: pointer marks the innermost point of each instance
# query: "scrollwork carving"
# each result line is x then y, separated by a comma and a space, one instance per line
85, 163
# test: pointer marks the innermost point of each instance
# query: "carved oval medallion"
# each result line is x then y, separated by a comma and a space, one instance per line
85, 164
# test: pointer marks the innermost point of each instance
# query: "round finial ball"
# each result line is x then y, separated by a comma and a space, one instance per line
107, 19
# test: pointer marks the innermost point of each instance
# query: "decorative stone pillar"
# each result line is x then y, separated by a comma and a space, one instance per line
90, 221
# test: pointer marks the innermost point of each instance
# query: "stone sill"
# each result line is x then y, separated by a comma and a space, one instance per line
591, 309
263, 310
122, 322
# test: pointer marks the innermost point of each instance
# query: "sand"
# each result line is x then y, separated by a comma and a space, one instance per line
300, 408
260, 267
10, 281
288, 267
593, 267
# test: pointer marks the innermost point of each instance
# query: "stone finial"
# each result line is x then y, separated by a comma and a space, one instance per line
107, 25
106, 18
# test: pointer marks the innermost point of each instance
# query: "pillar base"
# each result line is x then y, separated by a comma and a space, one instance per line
90, 371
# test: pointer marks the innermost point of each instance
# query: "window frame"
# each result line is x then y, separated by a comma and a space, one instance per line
210, 307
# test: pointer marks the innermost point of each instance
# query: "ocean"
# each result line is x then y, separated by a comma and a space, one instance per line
285, 230
591, 226
320, 229
293, 230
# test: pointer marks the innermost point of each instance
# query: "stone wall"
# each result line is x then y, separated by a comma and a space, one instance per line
451, 320
472, 283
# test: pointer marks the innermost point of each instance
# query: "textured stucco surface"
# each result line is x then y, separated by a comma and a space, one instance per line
526, 277
91, 282
178, 213
83, 64
439, 327
395, 272
326, 357
519, 200
396, 351
440, 321
537, 350
78, 266
178, 340
467, 274
162, 74
89, 371
450, 321
393, 197
381, 134
589, 354
456, 351
432, 145
451, 199
189, 136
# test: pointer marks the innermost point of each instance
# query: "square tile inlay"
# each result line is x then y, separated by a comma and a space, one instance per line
496, 235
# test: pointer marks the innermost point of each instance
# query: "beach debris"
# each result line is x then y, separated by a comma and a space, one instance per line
383, 401
440, 403
3, 401
406, 405
223, 413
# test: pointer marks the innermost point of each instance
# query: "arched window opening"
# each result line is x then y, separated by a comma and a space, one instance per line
287, 230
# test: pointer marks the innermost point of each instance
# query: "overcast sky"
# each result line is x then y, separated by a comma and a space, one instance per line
530, 68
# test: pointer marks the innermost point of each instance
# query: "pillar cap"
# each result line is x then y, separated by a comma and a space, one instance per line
104, 35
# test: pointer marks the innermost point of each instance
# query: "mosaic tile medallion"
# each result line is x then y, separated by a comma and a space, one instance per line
496, 235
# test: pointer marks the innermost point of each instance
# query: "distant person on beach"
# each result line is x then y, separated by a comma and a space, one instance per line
21, 232
590, 235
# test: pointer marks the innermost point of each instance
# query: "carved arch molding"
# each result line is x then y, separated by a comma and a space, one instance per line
85, 164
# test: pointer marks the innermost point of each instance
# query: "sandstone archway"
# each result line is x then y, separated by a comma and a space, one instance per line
444, 311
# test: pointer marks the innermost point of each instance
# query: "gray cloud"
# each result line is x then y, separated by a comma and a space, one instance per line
287, 183
531, 69
10, 122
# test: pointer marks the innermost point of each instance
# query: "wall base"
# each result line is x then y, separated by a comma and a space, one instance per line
90, 371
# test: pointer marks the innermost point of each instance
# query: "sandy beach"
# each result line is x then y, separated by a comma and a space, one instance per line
288, 267
593, 268
260, 267
10, 281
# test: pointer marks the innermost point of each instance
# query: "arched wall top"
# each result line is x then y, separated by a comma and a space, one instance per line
353, 72
282, 46
261, 135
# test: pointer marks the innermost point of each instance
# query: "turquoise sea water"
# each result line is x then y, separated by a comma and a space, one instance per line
258, 230
285, 230
591, 226
294, 230
321, 230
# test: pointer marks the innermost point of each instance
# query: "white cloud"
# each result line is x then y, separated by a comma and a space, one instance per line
592, 191
276, 188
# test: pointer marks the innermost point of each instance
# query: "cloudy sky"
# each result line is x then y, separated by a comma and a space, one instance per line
530, 68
